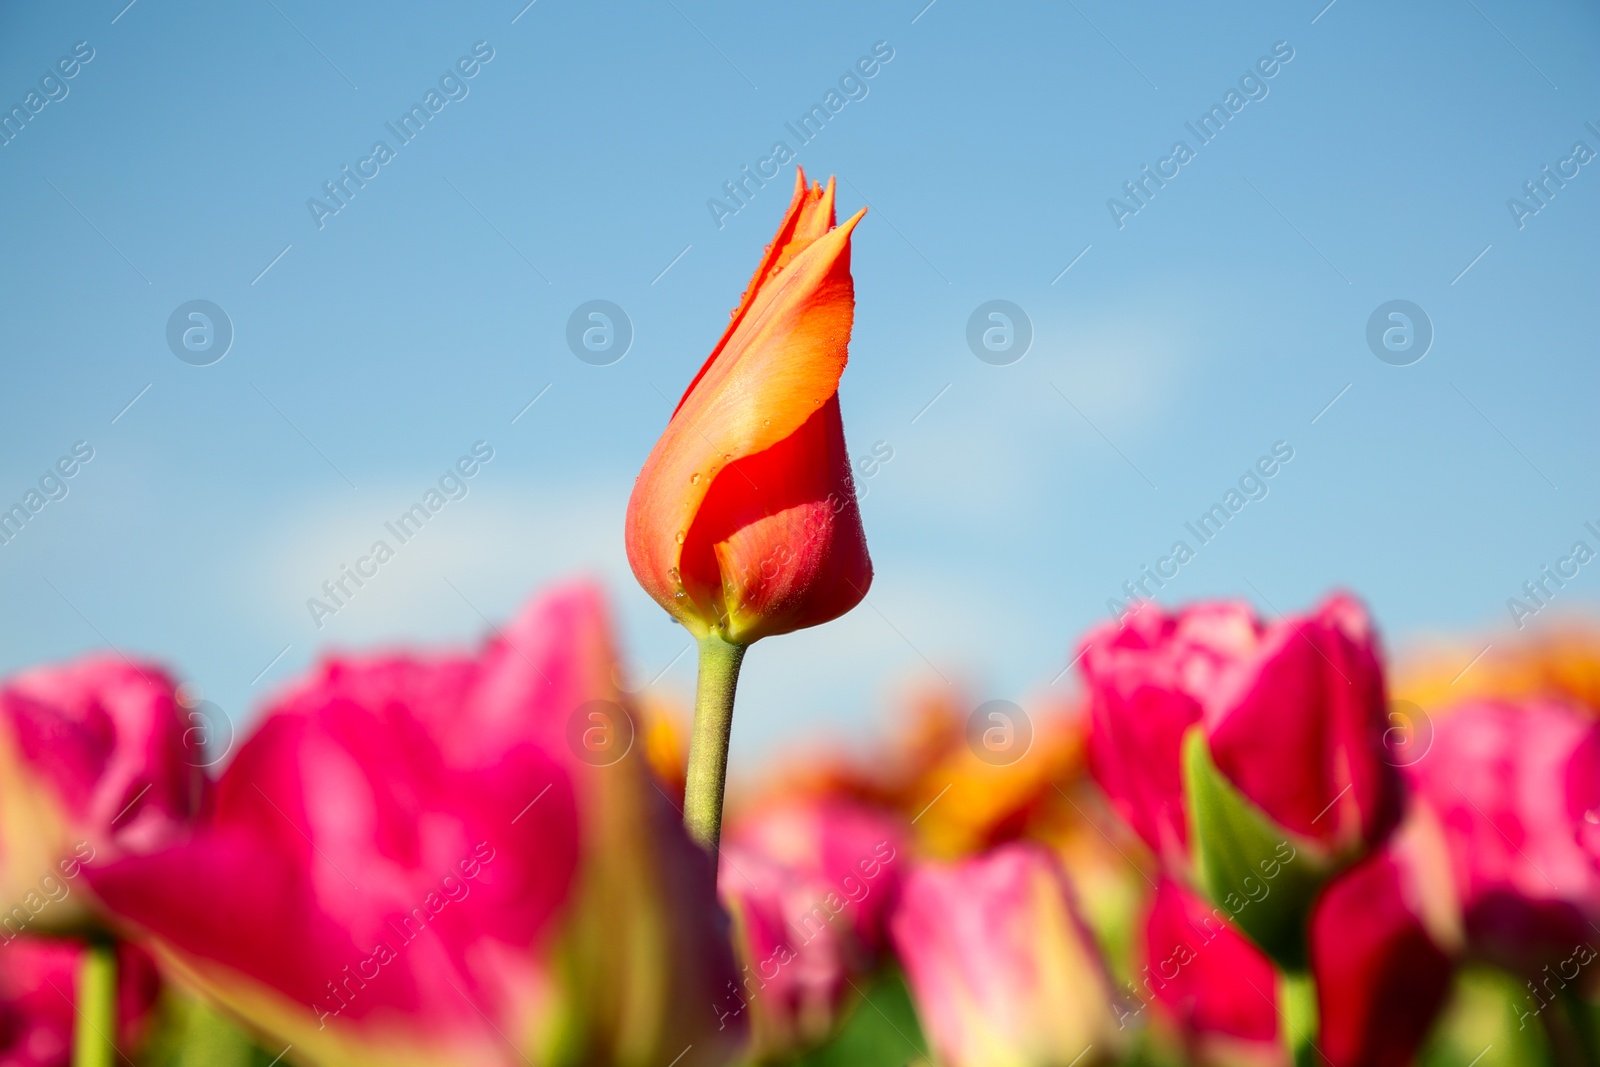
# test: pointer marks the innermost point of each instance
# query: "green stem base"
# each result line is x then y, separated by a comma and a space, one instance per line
95, 1032
708, 745
1297, 996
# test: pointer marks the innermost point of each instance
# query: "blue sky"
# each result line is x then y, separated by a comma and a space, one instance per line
372, 351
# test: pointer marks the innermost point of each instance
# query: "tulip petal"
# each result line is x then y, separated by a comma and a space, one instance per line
810, 215
38, 978
1003, 971
790, 540
1206, 975
513, 900
1381, 979
1145, 678
1299, 728
357, 896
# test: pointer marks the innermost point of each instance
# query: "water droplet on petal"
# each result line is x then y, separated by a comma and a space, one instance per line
694, 478
680, 537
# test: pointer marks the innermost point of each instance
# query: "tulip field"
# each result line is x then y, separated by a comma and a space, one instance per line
1233, 845
679, 534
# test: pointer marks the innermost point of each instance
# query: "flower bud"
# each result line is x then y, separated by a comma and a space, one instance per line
744, 520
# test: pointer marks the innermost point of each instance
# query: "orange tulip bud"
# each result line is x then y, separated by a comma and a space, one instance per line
744, 520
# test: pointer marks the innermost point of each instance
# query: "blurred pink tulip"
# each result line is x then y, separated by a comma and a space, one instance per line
1212, 986
1384, 939
1003, 971
645, 948
1517, 789
402, 861
38, 978
1293, 713
810, 886
93, 765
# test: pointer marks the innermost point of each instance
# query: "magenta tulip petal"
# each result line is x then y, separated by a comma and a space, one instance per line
854, 850
1207, 977
1146, 679
1299, 728
351, 875
1382, 978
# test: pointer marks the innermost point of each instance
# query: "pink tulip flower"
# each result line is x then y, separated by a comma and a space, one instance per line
409, 864
1002, 970
1497, 861
93, 766
810, 885
1517, 789
1249, 756
1293, 713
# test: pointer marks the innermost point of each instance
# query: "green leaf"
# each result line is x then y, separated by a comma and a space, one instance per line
1255, 871
189, 1033
882, 1031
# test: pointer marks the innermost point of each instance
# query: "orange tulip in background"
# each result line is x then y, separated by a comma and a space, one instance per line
744, 520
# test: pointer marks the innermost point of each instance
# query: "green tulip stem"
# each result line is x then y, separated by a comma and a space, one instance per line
708, 745
1297, 996
94, 1035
